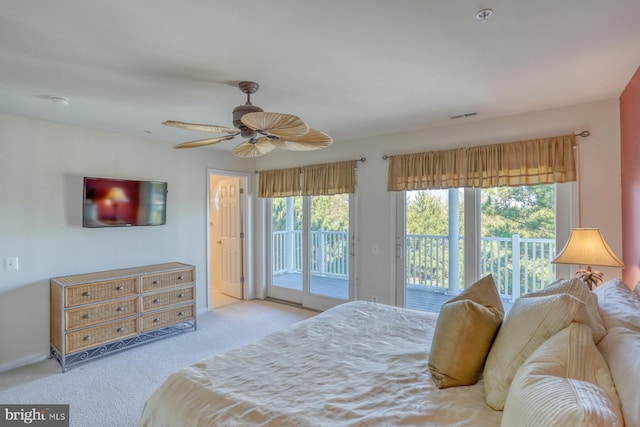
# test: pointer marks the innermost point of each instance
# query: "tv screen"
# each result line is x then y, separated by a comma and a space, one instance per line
123, 203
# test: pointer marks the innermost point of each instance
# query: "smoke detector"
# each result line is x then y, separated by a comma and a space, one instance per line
59, 100
484, 14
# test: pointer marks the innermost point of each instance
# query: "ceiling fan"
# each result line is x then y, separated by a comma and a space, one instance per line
265, 131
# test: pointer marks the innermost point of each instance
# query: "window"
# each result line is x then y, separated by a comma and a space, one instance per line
517, 241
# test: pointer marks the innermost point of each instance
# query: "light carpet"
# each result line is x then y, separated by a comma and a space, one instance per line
111, 391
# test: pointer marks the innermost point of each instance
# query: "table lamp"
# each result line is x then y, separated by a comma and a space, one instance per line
586, 246
116, 195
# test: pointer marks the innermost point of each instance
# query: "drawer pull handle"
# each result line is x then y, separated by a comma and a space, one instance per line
180, 277
120, 309
120, 288
155, 301
87, 294
120, 329
156, 320
87, 338
155, 282
87, 316
181, 314
181, 296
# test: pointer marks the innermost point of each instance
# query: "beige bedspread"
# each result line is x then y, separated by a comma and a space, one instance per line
358, 364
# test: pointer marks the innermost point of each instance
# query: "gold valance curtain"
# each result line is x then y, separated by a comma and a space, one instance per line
314, 180
532, 162
279, 183
329, 179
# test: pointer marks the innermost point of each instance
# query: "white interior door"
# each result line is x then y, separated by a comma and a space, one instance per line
231, 235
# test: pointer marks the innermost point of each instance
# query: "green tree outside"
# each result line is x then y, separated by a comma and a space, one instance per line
329, 213
528, 211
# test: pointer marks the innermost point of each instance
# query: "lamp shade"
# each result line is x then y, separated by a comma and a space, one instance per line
586, 246
117, 194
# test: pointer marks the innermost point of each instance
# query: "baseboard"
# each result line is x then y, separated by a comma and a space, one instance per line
292, 304
28, 360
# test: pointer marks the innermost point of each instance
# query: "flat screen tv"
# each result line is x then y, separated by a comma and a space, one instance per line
123, 203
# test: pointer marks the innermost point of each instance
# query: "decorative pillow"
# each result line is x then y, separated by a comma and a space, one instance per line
590, 315
465, 329
620, 349
565, 382
529, 323
619, 305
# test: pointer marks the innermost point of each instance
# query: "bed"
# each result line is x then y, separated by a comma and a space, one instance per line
357, 364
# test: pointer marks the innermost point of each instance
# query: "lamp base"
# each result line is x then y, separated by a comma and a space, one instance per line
590, 277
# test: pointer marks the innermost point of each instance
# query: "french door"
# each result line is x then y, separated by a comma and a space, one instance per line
448, 239
311, 250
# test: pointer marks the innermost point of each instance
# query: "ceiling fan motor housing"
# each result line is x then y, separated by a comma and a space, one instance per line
240, 111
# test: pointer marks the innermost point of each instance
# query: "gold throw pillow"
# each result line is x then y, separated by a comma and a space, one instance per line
465, 330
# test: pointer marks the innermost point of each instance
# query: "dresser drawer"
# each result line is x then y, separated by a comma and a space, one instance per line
160, 319
100, 291
92, 337
165, 299
155, 282
97, 313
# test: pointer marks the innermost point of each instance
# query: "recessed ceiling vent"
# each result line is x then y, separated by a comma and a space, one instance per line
461, 116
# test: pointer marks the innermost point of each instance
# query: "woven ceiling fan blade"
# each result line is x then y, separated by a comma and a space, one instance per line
203, 142
257, 148
199, 127
312, 140
282, 125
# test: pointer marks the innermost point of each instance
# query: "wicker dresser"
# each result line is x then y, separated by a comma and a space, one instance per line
96, 314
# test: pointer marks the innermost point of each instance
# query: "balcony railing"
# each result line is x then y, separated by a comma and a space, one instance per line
518, 265
329, 252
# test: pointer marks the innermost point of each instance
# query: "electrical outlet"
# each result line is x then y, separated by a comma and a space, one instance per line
11, 263
374, 298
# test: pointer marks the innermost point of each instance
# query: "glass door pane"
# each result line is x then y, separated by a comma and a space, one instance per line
311, 250
329, 251
518, 229
433, 248
286, 248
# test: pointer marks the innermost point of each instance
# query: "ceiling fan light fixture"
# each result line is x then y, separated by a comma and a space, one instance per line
254, 148
245, 132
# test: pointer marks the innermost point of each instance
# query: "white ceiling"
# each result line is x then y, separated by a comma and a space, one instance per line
351, 68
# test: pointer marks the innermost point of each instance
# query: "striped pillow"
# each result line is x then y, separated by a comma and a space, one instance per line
529, 323
590, 315
565, 382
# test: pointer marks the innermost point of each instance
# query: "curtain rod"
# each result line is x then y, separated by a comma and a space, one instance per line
361, 159
584, 134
